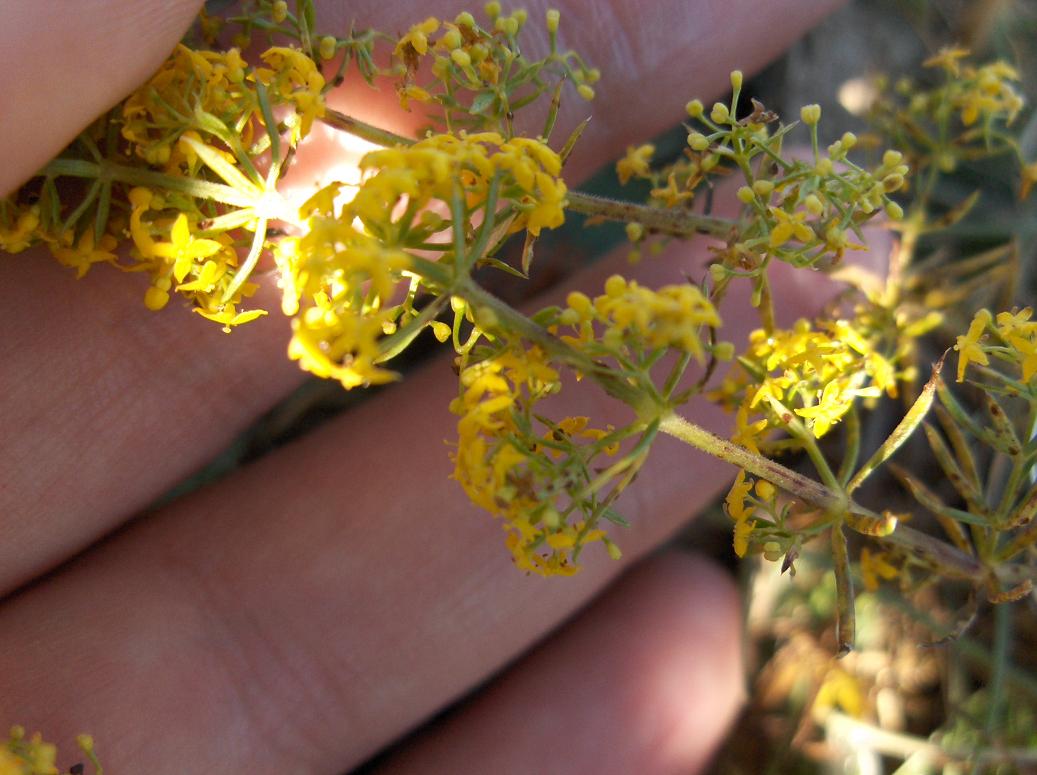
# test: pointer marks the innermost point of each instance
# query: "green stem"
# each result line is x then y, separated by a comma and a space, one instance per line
518, 324
845, 625
999, 667
679, 223
363, 130
134, 176
791, 481
674, 222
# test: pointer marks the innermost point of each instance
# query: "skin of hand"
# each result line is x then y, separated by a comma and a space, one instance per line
325, 602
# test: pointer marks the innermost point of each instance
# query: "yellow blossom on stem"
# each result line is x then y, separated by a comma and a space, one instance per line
967, 345
789, 226
183, 249
636, 163
740, 512
875, 567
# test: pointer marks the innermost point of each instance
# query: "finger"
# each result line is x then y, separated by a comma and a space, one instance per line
66, 63
105, 404
116, 404
646, 680
326, 599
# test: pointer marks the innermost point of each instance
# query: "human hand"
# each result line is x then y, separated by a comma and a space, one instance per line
314, 607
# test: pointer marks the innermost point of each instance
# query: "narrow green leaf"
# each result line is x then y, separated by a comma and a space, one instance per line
972, 496
482, 102
247, 267
230, 174
271, 125
567, 149
945, 515
903, 430
393, 345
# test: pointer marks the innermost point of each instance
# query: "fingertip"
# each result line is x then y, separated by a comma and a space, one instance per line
66, 63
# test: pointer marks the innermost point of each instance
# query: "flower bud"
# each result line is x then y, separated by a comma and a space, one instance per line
552, 20
551, 518
810, 114
451, 39
891, 158
327, 47
694, 108
723, 351
763, 188
698, 141
720, 113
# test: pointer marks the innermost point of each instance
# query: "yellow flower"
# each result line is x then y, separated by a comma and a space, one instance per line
19, 235
332, 340
85, 253
416, 39
875, 567
230, 317
1021, 335
549, 211
670, 194
948, 59
836, 400
636, 163
736, 497
183, 248
789, 227
740, 513
968, 347
295, 78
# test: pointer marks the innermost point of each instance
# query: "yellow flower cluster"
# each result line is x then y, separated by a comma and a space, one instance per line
984, 93
191, 133
816, 373
192, 86
672, 185
336, 282
296, 80
481, 76
22, 755
1018, 337
339, 279
741, 505
817, 207
527, 169
529, 480
633, 317
201, 268
188, 83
